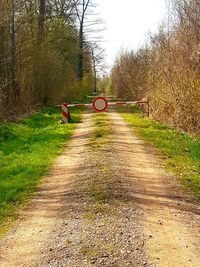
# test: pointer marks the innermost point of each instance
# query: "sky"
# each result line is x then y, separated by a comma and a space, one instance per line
127, 22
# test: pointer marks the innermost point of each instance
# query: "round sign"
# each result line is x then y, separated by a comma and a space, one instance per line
100, 104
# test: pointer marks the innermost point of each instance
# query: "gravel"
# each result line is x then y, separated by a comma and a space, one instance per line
98, 225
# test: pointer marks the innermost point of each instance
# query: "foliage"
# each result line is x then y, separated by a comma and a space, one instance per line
104, 85
39, 56
166, 70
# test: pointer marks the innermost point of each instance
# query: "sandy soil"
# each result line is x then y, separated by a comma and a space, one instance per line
108, 206
24, 244
171, 223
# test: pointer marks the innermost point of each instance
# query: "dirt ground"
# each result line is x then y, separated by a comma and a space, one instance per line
112, 205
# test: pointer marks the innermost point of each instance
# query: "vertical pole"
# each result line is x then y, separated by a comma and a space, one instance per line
148, 108
65, 113
69, 115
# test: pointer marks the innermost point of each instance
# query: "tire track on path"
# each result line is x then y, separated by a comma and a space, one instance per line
108, 205
99, 224
171, 223
25, 242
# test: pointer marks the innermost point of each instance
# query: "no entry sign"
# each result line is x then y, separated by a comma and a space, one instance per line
100, 104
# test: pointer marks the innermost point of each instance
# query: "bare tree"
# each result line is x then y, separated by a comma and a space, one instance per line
81, 7
61, 9
98, 62
42, 11
87, 25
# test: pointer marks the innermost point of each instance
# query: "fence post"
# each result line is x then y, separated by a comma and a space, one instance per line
148, 108
65, 113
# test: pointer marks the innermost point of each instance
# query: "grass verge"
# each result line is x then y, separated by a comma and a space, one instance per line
98, 188
102, 130
27, 151
180, 152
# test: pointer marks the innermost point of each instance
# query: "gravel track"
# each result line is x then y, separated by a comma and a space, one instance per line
171, 220
112, 205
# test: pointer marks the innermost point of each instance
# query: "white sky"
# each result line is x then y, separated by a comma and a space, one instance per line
127, 23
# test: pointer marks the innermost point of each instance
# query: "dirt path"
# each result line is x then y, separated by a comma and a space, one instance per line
171, 223
107, 205
24, 244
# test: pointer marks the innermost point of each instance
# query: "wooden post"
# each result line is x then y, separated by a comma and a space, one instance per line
148, 108
69, 115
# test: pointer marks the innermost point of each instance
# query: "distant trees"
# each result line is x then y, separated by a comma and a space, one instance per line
130, 74
40, 47
167, 69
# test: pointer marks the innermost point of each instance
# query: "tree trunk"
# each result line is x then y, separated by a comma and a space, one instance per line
14, 89
41, 21
80, 57
95, 71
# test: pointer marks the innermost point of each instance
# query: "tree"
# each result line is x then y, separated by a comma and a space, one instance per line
39, 49
167, 69
98, 62
87, 25
41, 20
81, 7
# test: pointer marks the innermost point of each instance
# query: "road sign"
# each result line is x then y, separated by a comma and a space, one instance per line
100, 104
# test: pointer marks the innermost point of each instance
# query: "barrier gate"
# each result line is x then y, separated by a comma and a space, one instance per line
99, 104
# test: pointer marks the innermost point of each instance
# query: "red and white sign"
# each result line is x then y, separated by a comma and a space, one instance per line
100, 104
65, 113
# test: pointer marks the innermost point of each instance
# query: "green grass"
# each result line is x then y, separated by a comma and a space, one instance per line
27, 150
98, 186
180, 152
101, 130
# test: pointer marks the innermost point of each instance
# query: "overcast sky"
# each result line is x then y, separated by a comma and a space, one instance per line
127, 23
